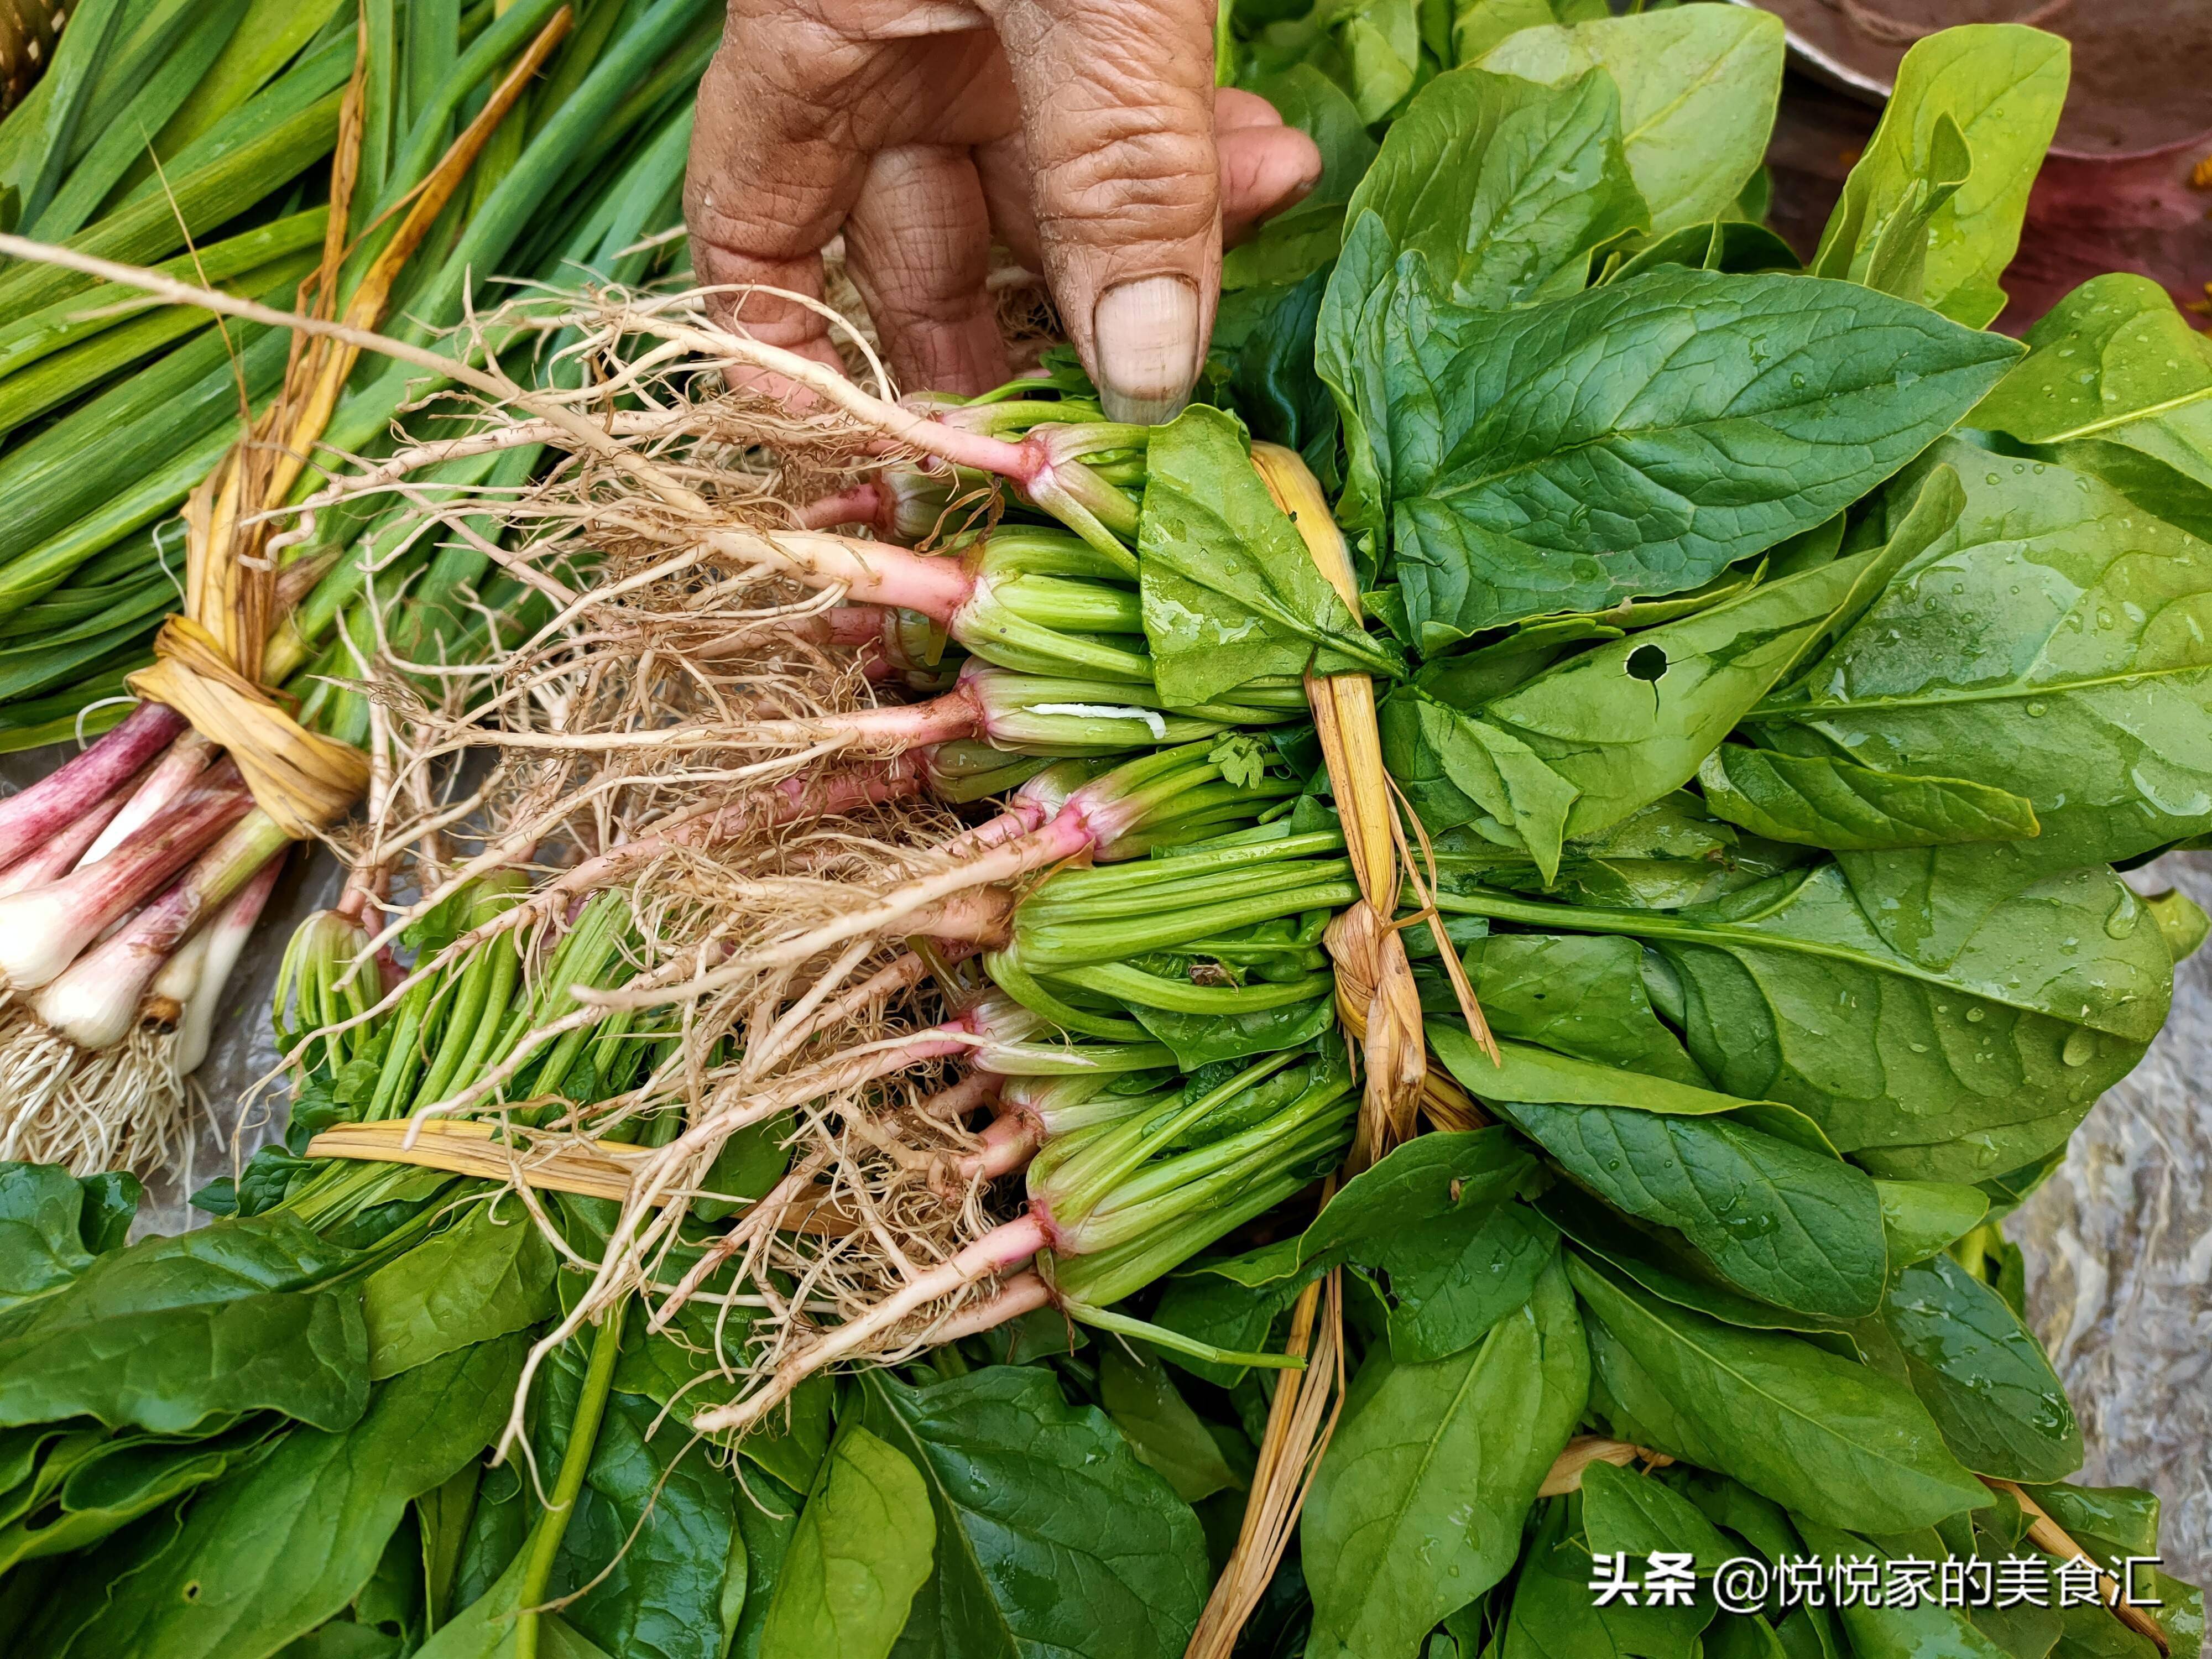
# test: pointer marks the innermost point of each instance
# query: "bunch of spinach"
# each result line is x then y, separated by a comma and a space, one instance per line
1779, 663
1793, 661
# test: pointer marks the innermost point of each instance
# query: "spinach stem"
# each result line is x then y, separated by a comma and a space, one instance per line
553, 1525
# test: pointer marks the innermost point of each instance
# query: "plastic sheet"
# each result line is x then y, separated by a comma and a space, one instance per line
2118, 1244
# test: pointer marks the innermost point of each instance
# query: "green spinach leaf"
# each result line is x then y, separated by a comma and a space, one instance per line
2116, 384
1563, 458
1583, 994
1825, 801
1582, 745
1161, 1428
1554, 1616
1813, 1432
1922, 1217
1993, 90
1503, 187
274, 1550
1418, 1505
1698, 92
1230, 590
1791, 1227
480, 1279
2052, 644
1918, 1072
863, 1547
174, 1332
1982, 1375
1050, 1535
1927, 1631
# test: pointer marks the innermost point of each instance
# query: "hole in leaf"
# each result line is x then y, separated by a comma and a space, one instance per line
1647, 662
192, 1591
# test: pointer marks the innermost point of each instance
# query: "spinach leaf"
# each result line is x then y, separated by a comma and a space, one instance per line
768, 1518
1304, 239
1554, 1616
1922, 1217
274, 1550
479, 1279
1663, 1262
1637, 1515
2050, 645
863, 1549
649, 1548
1982, 1374
1437, 1220
1884, 244
1162, 1429
1582, 745
174, 1332
1926, 1631
1792, 1227
42, 1245
1050, 1534
1270, 370
1918, 1072
1991, 89
1233, 1301
1823, 801
1722, 245
1813, 1432
1419, 1503
1502, 186
77, 1501
1563, 457
1479, 25
1523, 1072
1698, 92
485, 1628
677, 1369
2116, 384
1583, 994
1229, 592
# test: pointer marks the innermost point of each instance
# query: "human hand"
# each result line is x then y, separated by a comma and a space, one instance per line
1086, 134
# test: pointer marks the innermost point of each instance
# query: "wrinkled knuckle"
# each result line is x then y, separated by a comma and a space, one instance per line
1135, 169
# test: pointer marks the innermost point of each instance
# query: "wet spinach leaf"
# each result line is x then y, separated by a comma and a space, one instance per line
1790, 1226
2117, 385
1982, 1375
2050, 645
1813, 1431
1230, 590
1050, 1534
1697, 91
178, 1332
1993, 92
863, 1547
1419, 1504
1562, 458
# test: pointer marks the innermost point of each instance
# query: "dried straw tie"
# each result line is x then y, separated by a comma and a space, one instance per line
211, 661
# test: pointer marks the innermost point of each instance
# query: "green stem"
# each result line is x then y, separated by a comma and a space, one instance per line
575, 1459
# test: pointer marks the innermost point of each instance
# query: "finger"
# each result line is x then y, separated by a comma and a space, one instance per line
1254, 174
918, 244
769, 179
1234, 108
1117, 107
1264, 169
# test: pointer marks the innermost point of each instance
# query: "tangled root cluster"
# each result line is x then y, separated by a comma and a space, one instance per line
612, 747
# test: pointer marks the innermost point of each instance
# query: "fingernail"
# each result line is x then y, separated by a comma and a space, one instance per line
1144, 333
